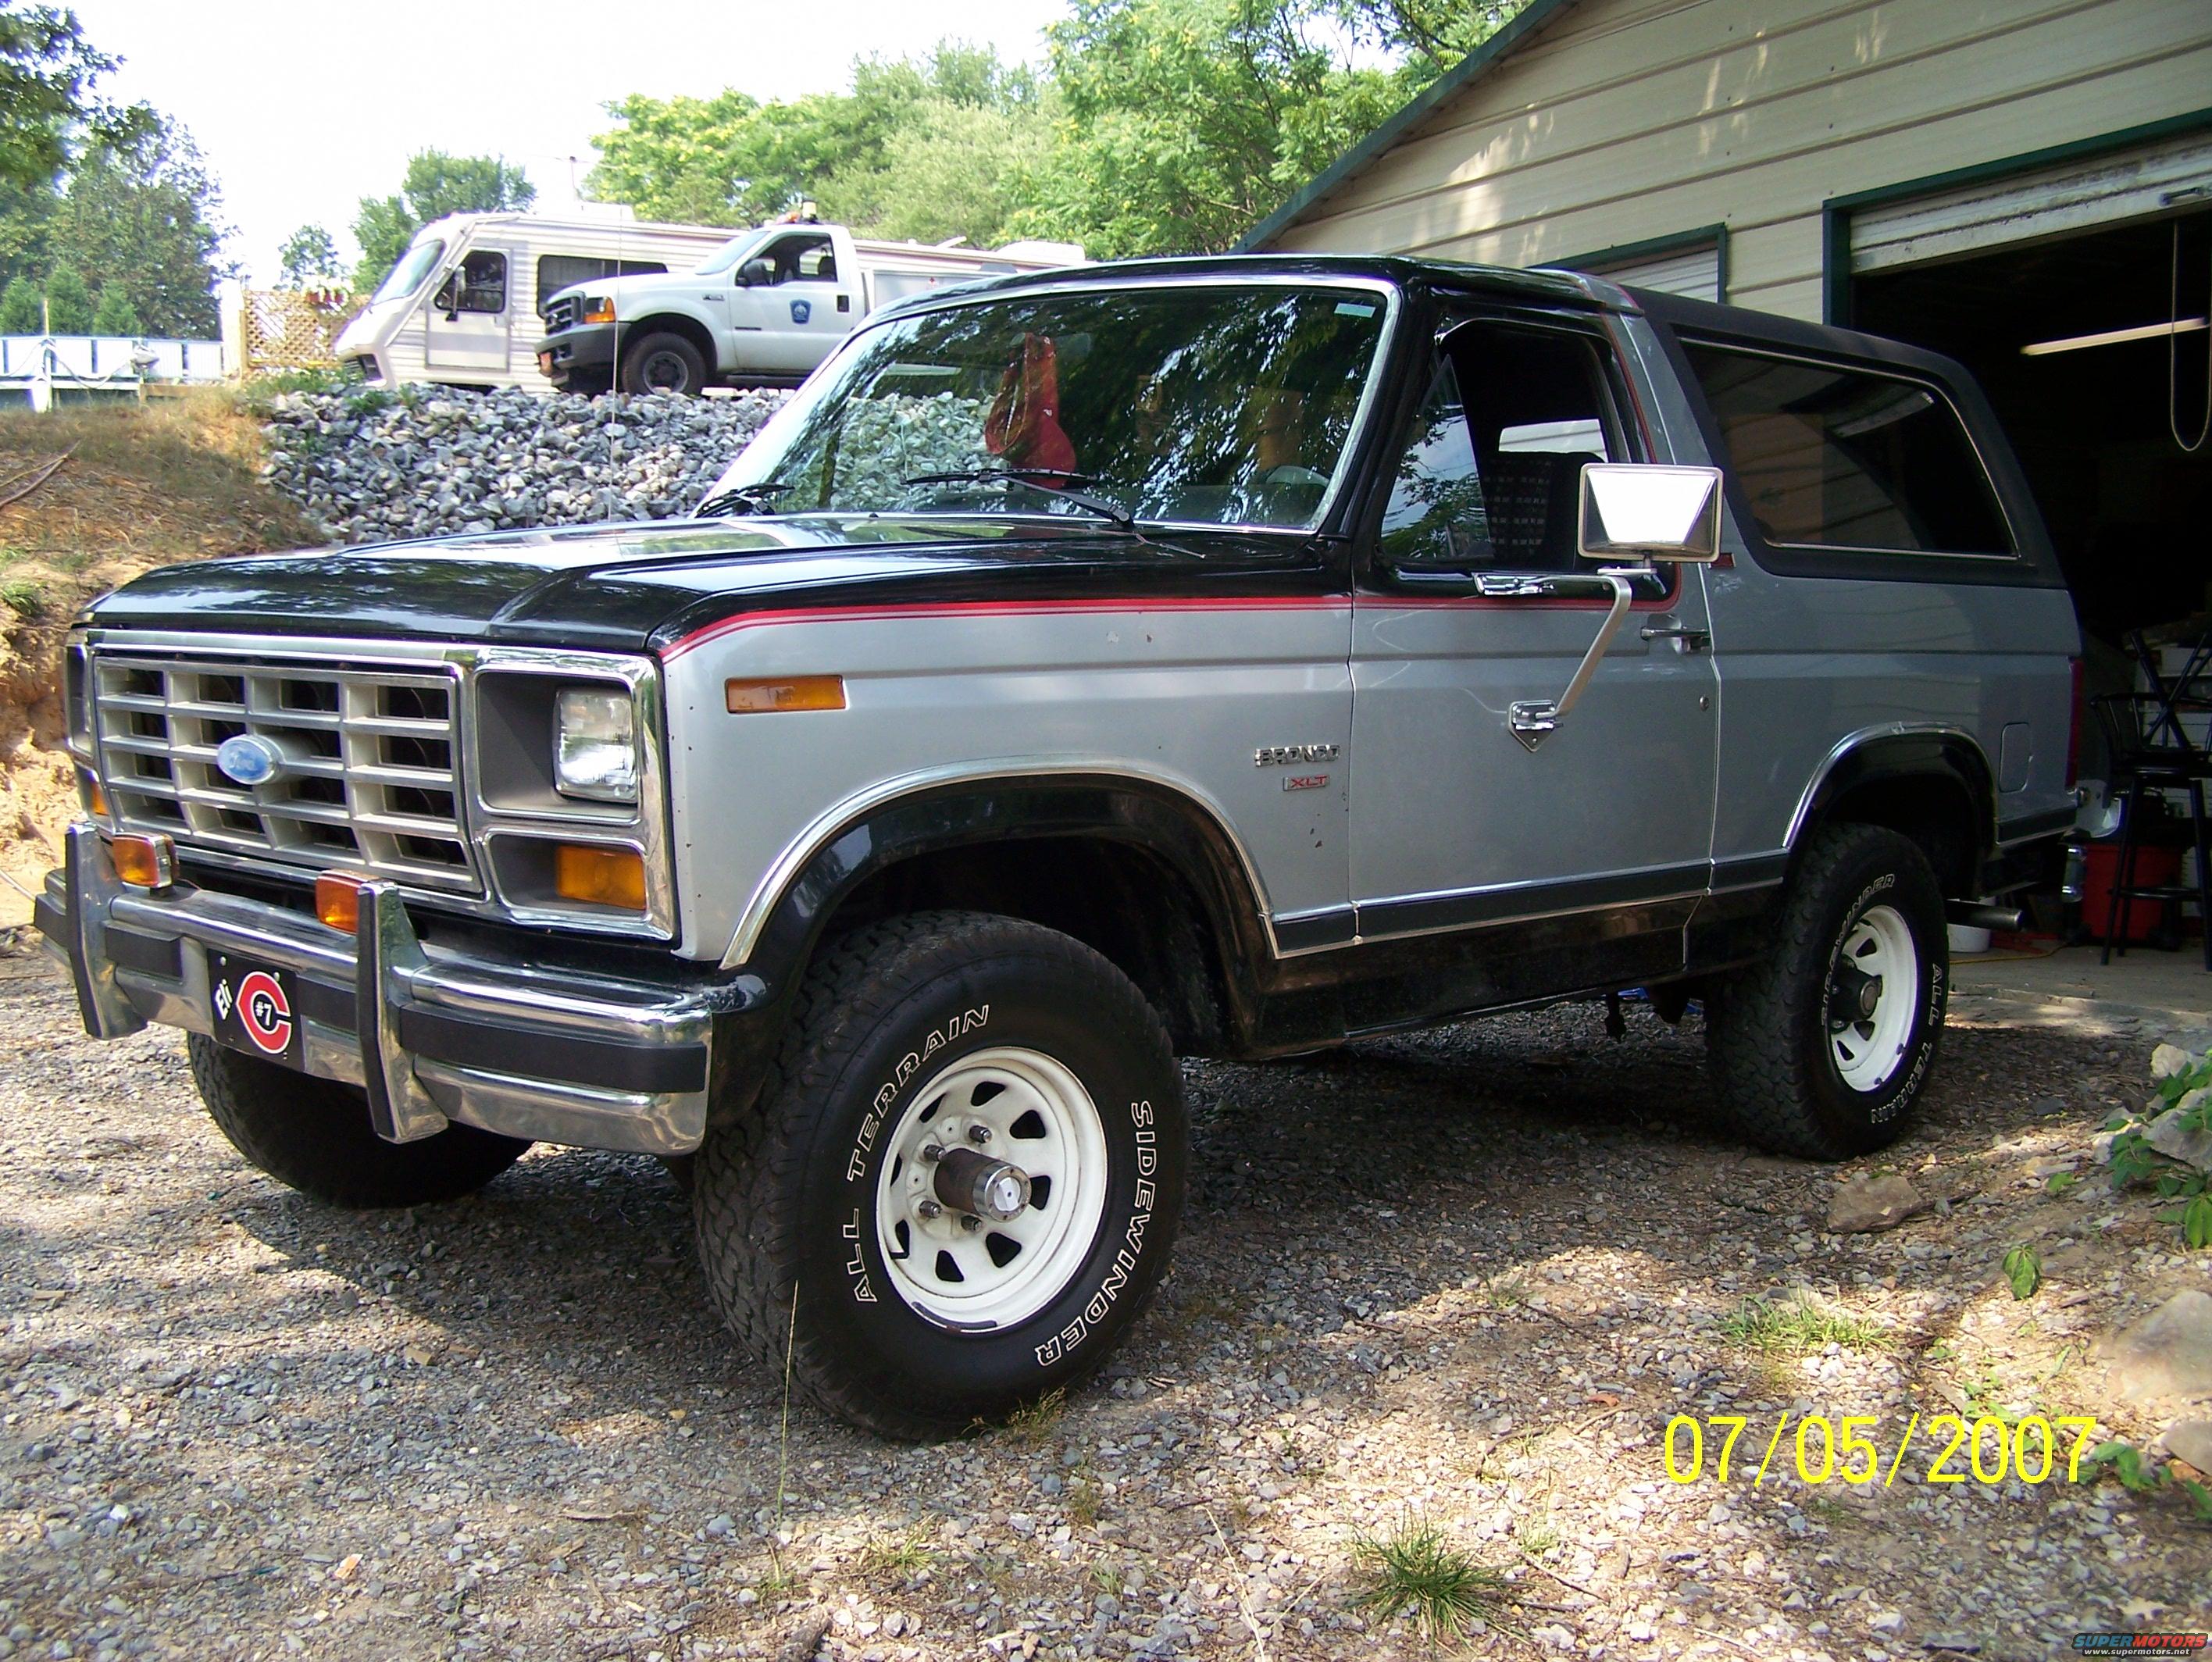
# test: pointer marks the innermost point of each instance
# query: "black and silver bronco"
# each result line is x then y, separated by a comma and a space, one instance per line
1202, 657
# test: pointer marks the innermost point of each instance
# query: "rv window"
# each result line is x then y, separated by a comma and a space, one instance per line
479, 284
559, 272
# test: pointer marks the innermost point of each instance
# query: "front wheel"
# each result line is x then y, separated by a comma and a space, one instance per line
961, 1182
1822, 1047
664, 362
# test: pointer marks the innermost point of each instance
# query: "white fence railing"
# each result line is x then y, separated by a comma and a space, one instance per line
109, 360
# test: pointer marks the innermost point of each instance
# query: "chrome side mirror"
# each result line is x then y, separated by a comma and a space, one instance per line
1649, 510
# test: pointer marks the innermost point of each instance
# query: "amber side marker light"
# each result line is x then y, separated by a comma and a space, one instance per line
602, 877
95, 799
785, 693
144, 862
337, 902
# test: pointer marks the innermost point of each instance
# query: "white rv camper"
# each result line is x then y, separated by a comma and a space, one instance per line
464, 305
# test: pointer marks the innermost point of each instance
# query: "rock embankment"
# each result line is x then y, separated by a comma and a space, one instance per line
365, 465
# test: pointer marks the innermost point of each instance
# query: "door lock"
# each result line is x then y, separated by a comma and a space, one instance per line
1670, 628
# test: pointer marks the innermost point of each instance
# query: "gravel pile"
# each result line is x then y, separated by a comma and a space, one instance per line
1469, 1276
367, 465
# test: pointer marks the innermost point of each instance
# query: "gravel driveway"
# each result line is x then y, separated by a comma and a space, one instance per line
1467, 1276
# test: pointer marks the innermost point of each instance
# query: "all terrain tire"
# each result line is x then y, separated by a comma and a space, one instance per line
1822, 1047
835, 1217
314, 1135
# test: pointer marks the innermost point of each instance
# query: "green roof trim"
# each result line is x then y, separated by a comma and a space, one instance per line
1439, 91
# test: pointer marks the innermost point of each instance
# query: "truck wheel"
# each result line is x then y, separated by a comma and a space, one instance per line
314, 1135
1822, 1046
663, 363
960, 1183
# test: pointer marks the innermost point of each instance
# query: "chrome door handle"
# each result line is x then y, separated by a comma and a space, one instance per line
1691, 640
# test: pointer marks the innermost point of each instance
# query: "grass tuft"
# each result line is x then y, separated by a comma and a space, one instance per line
1032, 1423
1799, 1325
1414, 1570
895, 1557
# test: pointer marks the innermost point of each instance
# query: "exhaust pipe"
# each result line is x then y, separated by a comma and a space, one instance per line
1980, 914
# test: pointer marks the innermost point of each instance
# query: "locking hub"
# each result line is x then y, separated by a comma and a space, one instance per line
980, 1185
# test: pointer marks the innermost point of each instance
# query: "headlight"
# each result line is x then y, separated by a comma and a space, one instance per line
598, 308
595, 750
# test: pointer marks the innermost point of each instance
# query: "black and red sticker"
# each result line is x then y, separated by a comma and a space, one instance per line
255, 1010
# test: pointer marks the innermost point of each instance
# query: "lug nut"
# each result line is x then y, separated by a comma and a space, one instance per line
930, 1209
932, 1151
978, 1134
971, 1223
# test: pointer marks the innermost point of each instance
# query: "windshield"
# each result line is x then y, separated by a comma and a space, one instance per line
1192, 404
727, 256
406, 277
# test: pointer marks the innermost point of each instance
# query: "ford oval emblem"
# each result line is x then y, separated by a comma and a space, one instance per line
248, 759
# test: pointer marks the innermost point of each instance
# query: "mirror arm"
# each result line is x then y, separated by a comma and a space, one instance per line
1533, 719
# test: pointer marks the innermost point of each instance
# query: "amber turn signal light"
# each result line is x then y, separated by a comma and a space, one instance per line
337, 902
602, 877
785, 693
144, 862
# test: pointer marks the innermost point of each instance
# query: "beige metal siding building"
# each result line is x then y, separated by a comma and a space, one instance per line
1731, 148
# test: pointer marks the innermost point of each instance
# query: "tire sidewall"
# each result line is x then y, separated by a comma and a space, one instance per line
1885, 872
932, 1371
694, 368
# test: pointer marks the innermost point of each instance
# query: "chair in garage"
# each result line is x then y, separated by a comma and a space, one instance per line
2154, 752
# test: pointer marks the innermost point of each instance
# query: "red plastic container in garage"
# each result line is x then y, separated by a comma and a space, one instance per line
2139, 919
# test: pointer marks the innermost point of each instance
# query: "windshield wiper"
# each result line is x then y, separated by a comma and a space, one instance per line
1031, 476
749, 499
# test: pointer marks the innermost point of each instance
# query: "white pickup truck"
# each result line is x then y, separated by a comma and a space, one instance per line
762, 311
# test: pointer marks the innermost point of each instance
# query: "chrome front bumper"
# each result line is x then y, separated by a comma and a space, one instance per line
432, 1034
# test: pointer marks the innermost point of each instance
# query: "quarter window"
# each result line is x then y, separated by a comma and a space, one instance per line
1833, 457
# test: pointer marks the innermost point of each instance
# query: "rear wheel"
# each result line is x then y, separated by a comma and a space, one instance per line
960, 1185
1822, 1047
663, 362
315, 1135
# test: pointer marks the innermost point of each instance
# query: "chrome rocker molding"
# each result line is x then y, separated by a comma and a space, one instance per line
449, 1036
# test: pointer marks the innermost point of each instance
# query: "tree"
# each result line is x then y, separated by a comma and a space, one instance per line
436, 184
147, 216
115, 315
47, 72
309, 257
21, 313
68, 302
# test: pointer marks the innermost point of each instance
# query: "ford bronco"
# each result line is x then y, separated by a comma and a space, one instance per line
1216, 657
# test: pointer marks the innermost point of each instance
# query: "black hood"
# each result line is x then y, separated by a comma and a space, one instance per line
629, 587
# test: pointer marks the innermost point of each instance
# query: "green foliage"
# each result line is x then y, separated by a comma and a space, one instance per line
47, 73
1163, 125
68, 302
2200, 1499
2023, 1271
2197, 1222
22, 597
435, 184
1414, 1570
2135, 1161
115, 315
310, 257
20, 311
146, 215
2125, 1461
1800, 1325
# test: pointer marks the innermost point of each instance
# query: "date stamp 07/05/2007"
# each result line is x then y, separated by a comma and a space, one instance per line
1850, 1449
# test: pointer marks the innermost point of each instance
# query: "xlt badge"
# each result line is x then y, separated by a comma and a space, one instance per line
1291, 755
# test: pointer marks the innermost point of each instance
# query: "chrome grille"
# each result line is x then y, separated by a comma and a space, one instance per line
560, 314
371, 777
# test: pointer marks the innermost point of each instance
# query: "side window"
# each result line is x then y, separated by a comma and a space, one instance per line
559, 272
1835, 458
804, 260
478, 284
1492, 473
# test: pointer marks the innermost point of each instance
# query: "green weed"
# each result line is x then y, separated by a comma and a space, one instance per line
1801, 1326
1415, 1571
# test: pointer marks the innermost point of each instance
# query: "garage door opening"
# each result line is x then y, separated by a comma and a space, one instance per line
2071, 338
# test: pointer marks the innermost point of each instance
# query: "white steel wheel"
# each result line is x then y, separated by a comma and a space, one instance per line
1873, 989
975, 1271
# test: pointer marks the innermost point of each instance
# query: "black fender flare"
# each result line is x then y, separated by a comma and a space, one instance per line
1945, 756
1184, 834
